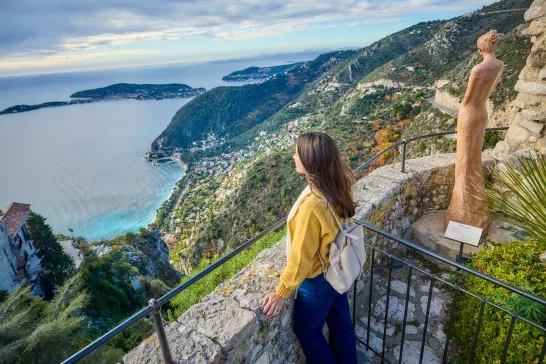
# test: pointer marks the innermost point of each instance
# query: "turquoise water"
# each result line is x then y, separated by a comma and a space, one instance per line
82, 166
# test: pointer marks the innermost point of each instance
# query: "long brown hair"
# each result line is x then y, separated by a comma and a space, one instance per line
326, 173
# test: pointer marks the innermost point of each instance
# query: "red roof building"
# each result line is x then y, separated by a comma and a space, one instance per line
14, 215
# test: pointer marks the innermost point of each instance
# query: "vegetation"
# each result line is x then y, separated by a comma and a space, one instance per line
519, 195
388, 49
57, 265
220, 213
114, 92
121, 281
140, 92
206, 285
432, 60
259, 73
269, 187
513, 51
23, 108
518, 264
228, 111
429, 121
33, 330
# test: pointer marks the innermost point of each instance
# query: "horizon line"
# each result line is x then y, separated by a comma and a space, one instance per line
204, 61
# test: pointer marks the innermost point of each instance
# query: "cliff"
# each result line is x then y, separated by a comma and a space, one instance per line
527, 132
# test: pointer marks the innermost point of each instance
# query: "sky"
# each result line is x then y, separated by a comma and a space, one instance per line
48, 36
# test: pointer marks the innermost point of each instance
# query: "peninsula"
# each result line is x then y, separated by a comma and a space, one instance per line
259, 73
118, 91
139, 92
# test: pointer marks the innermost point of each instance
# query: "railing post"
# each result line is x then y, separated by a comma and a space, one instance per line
160, 329
403, 170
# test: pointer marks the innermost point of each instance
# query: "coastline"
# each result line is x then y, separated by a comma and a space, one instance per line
17, 109
176, 192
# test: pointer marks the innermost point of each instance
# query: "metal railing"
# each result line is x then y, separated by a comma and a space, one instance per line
154, 307
514, 317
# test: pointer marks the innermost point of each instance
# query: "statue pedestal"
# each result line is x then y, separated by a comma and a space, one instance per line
428, 232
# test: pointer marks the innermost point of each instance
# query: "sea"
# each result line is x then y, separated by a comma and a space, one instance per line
82, 166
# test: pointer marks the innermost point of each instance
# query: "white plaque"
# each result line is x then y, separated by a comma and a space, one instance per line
464, 233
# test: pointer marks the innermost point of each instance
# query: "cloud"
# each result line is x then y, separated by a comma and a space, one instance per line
42, 28
63, 59
373, 21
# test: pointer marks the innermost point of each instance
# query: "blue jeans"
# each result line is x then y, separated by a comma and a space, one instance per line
318, 303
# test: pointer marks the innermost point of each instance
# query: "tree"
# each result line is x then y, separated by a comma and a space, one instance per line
56, 263
35, 331
108, 280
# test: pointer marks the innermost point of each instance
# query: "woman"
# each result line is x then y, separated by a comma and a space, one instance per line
311, 230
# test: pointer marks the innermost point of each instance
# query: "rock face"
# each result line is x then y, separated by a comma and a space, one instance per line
528, 131
227, 326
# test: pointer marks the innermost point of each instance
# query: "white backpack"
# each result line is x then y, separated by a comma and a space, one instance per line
347, 255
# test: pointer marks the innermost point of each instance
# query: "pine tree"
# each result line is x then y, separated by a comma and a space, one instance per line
56, 263
33, 330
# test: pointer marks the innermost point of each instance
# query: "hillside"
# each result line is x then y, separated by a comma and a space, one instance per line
331, 86
513, 50
453, 43
223, 206
228, 111
140, 92
259, 73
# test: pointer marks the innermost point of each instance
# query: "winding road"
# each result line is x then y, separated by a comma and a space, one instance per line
442, 108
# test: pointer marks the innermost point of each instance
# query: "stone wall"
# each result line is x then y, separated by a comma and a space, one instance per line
392, 200
228, 326
499, 115
528, 132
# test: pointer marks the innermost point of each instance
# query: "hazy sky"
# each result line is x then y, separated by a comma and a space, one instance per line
41, 36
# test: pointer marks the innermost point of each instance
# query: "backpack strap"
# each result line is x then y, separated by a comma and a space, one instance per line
333, 214
324, 269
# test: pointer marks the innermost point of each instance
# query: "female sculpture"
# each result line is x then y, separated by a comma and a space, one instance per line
468, 202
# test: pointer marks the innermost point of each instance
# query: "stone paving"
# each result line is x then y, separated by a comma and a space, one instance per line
433, 350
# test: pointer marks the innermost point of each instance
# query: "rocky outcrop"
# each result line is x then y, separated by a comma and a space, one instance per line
227, 326
450, 101
444, 98
439, 47
528, 131
382, 82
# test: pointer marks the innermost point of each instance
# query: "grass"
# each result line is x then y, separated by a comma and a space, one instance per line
208, 284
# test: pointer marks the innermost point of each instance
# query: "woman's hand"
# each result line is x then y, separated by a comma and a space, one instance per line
272, 304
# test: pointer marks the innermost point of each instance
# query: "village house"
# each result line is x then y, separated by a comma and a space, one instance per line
17, 256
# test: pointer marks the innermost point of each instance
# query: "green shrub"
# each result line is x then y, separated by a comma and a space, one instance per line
206, 285
519, 195
518, 264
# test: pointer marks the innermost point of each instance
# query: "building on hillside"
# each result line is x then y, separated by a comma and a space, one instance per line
18, 260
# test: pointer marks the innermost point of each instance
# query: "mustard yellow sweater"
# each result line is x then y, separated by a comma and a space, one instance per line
312, 229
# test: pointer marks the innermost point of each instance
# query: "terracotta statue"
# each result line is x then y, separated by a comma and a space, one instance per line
469, 203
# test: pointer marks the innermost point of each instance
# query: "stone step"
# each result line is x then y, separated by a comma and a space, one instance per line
428, 232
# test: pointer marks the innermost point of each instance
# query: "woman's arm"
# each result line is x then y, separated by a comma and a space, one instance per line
304, 246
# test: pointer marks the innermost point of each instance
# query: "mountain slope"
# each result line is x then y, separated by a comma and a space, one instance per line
228, 111
452, 44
